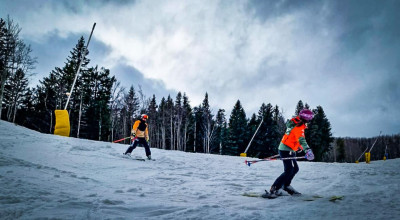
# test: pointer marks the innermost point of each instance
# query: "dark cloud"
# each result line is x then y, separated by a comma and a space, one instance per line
52, 51
267, 9
129, 76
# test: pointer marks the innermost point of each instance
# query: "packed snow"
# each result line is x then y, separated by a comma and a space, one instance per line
48, 176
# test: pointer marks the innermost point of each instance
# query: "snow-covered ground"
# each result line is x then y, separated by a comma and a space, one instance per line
48, 176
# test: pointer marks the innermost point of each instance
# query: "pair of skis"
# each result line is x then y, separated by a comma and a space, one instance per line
137, 158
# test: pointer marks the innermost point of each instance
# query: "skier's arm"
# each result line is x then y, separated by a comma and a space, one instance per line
303, 143
146, 133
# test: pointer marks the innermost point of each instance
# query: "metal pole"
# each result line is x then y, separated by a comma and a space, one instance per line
254, 135
367, 148
79, 67
375, 141
362, 154
385, 149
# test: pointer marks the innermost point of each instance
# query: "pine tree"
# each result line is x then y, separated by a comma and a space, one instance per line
178, 115
96, 115
68, 73
131, 101
280, 121
341, 152
45, 101
257, 143
152, 121
237, 134
198, 133
170, 122
268, 137
27, 109
318, 135
187, 121
221, 131
207, 125
163, 122
299, 107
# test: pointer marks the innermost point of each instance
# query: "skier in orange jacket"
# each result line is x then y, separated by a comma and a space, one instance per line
293, 141
141, 132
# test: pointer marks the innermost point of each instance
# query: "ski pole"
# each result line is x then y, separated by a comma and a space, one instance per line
248, 163
264, 159
121, 140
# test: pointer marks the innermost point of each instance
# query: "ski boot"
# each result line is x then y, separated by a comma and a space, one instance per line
291, 191
272, 194
149, 157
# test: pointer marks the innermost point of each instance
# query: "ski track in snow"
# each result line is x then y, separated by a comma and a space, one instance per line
48, 176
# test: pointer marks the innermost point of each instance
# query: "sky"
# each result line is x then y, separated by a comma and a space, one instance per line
341, 55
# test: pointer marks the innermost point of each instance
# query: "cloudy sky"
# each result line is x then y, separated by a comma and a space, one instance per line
342, 55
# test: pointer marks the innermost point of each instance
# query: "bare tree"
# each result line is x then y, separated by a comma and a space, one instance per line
8, 40
115, 104
15, 56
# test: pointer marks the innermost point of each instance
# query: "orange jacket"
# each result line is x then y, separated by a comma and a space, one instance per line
140, 130
294, 136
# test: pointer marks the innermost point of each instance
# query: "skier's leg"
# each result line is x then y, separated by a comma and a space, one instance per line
288, 170
131, 147
294, 171
287, 187
280, 181
147, 149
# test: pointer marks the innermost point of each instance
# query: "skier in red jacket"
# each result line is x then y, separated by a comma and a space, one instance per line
293, 141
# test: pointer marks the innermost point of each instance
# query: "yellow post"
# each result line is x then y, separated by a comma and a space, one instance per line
243, 155
367, 157
356, 161
62, 126
384, 157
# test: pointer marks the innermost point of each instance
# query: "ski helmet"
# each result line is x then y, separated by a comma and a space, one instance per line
144, 116
306, 115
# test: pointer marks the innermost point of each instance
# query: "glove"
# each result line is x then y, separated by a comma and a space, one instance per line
309, 155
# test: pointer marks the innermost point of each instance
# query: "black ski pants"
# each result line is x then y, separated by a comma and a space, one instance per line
141, 141
291, 168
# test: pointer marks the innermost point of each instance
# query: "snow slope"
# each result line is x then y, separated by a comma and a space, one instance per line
48, 176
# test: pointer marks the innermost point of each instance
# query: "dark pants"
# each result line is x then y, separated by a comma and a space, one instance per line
291, 168
141, 141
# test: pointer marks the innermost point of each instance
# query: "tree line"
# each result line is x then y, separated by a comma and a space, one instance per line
101, 109
349, 150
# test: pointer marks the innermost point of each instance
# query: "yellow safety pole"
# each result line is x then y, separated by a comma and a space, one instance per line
62, 126
367, 157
